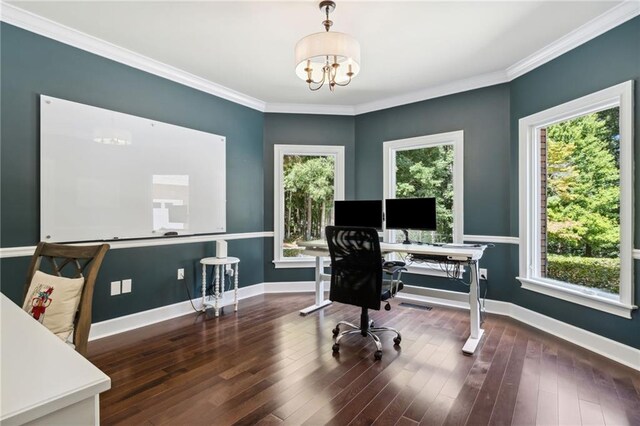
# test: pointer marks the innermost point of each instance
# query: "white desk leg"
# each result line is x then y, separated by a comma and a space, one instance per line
217, 291
204, 287
475, 332
235, 288
319, 281
321, 302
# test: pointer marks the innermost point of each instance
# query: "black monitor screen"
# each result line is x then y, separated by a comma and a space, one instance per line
366, 213
411, 213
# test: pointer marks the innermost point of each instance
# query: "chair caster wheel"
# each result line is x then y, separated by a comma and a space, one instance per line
336, 331
387, 307
377, 355
335, 348
397, 340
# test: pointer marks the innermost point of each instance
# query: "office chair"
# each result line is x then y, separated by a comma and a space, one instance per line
83, 261
357, 279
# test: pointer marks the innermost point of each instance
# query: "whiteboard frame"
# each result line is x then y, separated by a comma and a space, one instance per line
150, 153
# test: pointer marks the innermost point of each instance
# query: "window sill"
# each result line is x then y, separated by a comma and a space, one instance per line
579, 297
298, 263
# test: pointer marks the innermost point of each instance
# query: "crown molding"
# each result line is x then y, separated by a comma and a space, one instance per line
56, 31
592, 29
310, 109
464, 85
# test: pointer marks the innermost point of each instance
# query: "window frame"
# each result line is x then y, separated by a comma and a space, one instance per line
621, 96
455, 138
279, 152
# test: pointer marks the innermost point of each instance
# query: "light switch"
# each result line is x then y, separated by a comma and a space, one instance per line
115, 288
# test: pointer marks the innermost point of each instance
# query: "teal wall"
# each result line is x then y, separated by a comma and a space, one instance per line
489, 118
302, 129
609, 59
32, 65
483, 115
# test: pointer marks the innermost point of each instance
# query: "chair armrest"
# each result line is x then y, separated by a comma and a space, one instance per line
392, 263
393, 270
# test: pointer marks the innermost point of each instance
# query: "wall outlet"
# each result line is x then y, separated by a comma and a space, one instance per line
484, 274
181, 274
115, 288
126, 286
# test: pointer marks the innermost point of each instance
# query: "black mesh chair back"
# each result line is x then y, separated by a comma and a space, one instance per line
357, 279
356, 267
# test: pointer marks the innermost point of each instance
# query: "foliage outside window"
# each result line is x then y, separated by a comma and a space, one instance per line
308, 199
307, 181
576, 201
583, 201
428, 166
428, 172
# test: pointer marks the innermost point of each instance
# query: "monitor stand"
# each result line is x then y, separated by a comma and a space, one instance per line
406, 236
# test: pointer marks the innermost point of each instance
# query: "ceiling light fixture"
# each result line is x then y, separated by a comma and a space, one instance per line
327, 57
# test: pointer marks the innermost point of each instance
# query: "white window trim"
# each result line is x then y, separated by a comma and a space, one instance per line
456, 139
280, 151
620, 95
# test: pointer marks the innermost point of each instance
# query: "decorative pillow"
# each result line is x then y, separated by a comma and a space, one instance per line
54, 301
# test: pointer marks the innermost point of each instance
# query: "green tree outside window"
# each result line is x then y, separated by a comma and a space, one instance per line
308, 199
428, 172
583, 200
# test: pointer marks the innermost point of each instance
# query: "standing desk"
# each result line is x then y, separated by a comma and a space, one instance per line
467, 256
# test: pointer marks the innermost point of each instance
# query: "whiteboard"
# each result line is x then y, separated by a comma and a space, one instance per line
105, 175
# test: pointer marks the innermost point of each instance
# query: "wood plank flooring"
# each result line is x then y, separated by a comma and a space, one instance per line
267, 365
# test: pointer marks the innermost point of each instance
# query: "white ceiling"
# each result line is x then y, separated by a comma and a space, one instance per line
248, 46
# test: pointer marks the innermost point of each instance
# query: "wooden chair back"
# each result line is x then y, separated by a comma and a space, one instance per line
75, 262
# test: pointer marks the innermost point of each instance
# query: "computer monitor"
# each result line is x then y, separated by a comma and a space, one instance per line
366, 213
410, 213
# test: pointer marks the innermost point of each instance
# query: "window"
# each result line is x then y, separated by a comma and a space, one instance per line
428, 166
576, 226
170, 202
308, 178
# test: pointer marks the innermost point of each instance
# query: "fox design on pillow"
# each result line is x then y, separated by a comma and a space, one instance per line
40, 302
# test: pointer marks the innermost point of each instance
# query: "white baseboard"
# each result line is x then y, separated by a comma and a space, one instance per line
434, 296
611, 349
616, 351
141, 319
290, 287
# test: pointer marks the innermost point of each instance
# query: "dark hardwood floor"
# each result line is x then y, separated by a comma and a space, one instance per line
268, 365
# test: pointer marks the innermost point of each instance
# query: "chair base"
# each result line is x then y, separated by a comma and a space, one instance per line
367, 330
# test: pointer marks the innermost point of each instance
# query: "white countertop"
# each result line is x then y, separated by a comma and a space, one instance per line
39, 373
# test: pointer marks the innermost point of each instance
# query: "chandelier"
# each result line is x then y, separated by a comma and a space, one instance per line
327, 57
